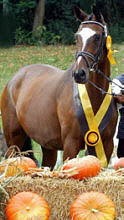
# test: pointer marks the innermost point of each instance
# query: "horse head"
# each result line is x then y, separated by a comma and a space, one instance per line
90, 42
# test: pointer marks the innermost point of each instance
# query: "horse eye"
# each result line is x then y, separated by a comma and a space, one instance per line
97, 37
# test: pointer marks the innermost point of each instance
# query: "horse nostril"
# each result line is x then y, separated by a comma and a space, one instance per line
81, 72
79, 76
82, 75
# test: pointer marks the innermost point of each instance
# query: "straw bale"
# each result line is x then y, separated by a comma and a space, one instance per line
60, 193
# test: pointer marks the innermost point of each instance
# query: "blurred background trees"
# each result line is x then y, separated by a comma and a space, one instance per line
36, 22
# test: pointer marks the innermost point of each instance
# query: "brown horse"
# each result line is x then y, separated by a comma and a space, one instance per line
37, 102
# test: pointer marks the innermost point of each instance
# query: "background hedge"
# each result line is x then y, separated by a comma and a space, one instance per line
16, 20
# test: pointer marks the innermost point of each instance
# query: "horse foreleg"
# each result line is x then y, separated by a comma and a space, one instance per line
108, 147
49, 157
72, 147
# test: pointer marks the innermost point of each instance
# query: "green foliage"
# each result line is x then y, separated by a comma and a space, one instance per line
60, 23
43, 37
59, 16
24, 13
7, 28
46, 37
23, 37
117, 33
60, 19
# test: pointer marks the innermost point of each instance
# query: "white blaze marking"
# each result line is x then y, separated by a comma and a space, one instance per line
85, 34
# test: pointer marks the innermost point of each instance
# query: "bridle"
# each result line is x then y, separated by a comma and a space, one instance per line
96, 58
86, 54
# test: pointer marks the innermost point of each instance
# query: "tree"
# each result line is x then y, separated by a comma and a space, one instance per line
5, 7
39, 15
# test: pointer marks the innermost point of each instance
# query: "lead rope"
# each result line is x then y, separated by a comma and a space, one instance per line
100, 89
106, 77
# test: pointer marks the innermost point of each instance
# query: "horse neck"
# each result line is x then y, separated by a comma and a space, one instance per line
95, 95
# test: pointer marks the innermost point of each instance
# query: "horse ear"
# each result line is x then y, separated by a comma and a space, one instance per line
81, 15
97, 14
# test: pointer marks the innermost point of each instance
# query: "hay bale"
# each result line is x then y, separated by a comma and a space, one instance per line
60, 193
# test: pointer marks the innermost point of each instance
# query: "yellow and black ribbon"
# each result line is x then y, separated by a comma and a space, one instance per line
93, 125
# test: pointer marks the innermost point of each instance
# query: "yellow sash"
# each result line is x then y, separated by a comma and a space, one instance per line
95, 120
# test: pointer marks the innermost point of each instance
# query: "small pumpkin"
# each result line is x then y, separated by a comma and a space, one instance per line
12, 166
92, 206
27, 205
88, 166
119, 163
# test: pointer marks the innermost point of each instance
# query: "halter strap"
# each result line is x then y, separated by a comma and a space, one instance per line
98, 23
83, 53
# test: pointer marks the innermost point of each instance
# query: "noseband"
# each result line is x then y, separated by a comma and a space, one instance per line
85, 54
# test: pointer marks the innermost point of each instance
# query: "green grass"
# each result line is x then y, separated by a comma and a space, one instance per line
118, 68
12, 59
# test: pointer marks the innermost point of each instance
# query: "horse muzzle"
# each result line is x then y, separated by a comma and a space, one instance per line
80, 76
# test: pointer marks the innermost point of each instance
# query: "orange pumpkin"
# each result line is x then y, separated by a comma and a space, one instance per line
119, 163
13, 166
92, 206
27, 205
87, 166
